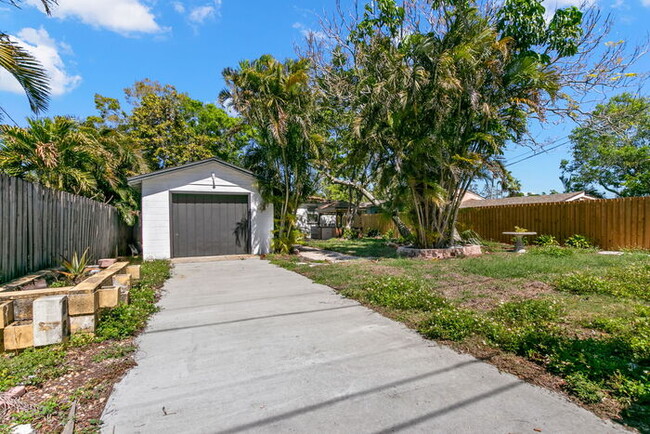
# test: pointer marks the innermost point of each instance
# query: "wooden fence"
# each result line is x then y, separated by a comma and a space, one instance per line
610, 223
38, 226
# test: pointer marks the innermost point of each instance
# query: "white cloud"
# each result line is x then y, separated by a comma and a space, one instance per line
39, 43
179, 7
120, 16
552, 5
309, 33
645, 3
199, 14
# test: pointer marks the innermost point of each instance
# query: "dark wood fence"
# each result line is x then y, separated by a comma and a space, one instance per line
609, 223
38, 226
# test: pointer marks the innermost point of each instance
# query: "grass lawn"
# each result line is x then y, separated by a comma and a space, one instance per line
570, 320
365, 247
83, 370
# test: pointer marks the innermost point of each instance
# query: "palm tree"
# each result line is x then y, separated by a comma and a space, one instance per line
24, 67
55, 153
275, 98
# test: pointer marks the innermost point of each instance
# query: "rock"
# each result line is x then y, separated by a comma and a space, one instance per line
15, 392
451, 252
25, 428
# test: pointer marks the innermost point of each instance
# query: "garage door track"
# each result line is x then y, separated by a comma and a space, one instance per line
244, 346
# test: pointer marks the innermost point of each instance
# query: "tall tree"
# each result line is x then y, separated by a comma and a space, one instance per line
62, 154
276, 99
611, 150
437, 89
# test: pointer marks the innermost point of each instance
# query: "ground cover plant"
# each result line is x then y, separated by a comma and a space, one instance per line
366, 247
82, 370
564, 318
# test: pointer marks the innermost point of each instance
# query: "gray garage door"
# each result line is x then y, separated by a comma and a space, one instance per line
209, 224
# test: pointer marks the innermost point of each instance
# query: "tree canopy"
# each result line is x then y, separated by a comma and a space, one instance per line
276, 99
611, 151
432, 92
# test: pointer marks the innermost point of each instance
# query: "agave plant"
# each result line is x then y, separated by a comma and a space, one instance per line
75, 268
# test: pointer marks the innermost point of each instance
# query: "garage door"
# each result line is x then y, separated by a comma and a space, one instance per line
209, 224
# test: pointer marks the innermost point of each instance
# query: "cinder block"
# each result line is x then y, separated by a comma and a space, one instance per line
83, 303
83, 324
123, 283
18, 336
22, 309
6, 313
134, 271
109, 297
51, 324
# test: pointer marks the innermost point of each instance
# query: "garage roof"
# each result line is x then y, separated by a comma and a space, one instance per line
134, 180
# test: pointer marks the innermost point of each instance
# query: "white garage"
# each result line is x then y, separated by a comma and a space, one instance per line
205, 208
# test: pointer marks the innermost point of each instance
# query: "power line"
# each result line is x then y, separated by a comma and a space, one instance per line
539, 153
8, 115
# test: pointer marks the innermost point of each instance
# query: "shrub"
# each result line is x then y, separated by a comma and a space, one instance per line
470, 237
372, 233
350, 234
389, 235
401, 293
582, 387
546, 240
578, 242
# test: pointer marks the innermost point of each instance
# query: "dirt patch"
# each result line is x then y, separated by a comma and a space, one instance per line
89, 381
485, 293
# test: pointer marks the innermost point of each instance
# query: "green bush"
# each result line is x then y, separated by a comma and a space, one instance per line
578, 242
583, 388
127, 319
401, 293
389, 235
546, 240
372, 233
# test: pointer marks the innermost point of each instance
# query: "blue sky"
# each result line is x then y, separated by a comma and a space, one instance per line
103, 46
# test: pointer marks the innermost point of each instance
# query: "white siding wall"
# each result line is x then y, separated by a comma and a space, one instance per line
156, 191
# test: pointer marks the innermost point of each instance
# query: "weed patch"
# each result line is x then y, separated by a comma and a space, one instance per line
127, 319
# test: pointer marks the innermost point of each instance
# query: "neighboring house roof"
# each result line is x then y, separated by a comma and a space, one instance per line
470, 195
522, 200
134, 180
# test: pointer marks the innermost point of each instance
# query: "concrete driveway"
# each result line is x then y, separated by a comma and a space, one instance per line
244, 346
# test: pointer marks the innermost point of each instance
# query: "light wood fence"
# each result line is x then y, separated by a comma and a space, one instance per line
38, 226
610, 223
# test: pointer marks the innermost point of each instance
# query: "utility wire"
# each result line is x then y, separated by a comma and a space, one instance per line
539, 153
8, 115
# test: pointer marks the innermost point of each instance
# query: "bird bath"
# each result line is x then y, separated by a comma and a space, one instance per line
519, 240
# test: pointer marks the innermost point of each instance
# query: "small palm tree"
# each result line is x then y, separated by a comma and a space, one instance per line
24, 67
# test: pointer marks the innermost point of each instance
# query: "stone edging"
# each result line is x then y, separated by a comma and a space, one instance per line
451, 252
